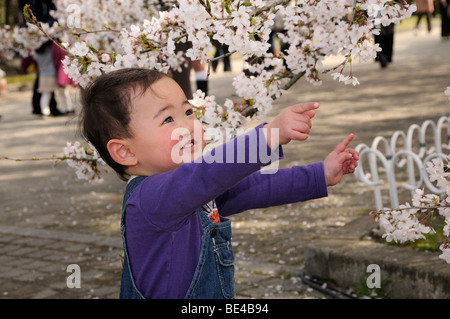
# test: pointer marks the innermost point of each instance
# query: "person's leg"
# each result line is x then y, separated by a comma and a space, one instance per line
45, 102
36, 99
429, 22
53, 106
64, 101
201, 76
419, 17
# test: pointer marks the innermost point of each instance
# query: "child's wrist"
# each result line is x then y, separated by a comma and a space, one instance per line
325, 173
266, 128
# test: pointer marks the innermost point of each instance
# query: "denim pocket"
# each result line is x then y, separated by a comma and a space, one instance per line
225, 268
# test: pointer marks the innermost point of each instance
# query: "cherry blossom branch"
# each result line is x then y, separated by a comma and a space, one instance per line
271, 7
313, 31
343, 63
404, 223
421, 208
31, 18
107, 29
86, 167
54, 158
216, 59
293, 80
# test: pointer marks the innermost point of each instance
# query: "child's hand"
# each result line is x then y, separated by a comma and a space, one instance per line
341, 161
293, 123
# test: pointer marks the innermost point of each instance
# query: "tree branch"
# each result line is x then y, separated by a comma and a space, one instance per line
31, 18
55, 158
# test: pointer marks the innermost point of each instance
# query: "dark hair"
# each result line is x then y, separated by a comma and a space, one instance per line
105, 113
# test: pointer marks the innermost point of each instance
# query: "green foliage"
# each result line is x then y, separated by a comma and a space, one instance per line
361, 290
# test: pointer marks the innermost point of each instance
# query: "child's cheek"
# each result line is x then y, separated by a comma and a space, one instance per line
174, 149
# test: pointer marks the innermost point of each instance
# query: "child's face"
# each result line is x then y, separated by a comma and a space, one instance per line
162, 127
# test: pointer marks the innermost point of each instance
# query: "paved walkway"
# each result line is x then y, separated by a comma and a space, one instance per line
49, 219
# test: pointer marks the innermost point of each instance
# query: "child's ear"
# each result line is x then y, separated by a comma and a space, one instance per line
121, 153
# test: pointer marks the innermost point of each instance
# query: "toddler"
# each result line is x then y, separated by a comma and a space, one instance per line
175, 230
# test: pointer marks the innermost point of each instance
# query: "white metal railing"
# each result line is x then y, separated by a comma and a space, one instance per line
391, 156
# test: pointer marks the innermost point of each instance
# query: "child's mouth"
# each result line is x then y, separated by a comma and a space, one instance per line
190, 145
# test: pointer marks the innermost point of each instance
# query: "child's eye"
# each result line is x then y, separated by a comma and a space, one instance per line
168, 120
189, 112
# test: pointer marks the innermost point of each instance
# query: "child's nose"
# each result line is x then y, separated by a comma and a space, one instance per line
188, 124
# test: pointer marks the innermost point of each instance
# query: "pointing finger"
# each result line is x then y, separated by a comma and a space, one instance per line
305, 107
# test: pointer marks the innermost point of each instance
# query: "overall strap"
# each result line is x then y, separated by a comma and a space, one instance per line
128, 288
129, 190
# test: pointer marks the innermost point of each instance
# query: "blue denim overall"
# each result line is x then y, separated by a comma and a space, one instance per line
214, 275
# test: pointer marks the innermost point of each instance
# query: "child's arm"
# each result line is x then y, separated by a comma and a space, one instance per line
285, 186
168, 198
294, 123
295, 184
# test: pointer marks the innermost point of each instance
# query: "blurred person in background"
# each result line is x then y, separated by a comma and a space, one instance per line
3, 83
64, 83
424, 8
41, 9
47, 84
386, 42
444, 8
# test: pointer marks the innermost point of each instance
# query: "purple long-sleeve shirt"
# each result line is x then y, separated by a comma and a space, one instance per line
163, 229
